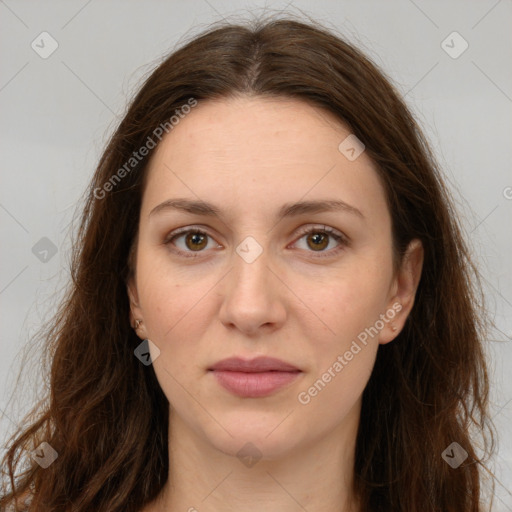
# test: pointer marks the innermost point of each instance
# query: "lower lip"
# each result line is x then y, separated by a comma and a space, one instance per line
254, 385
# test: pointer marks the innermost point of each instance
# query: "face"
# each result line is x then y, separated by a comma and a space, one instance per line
309, 285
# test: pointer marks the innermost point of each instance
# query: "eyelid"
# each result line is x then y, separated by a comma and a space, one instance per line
340, 237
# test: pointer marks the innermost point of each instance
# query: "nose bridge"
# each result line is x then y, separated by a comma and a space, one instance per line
250, 272
250, 294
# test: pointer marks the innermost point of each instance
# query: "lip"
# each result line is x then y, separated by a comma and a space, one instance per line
258, 364
254, 378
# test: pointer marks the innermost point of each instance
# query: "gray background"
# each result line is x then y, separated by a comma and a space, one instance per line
57, 114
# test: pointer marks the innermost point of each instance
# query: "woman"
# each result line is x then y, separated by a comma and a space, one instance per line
271, 306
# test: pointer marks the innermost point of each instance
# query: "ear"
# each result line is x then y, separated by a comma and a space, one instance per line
135, 309
403, 291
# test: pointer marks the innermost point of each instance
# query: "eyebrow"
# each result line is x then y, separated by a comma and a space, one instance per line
199, 207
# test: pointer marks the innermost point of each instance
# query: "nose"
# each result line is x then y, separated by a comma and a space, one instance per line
253, 295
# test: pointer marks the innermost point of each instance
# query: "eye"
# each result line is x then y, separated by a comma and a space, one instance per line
318, 239
196, 240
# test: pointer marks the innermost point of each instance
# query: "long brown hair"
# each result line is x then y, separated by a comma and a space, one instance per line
107, 417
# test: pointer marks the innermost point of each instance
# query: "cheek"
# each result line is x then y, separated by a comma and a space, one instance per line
334, 394
342, 354
170, 297
346, 303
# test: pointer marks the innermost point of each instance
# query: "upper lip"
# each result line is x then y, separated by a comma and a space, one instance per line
259, 364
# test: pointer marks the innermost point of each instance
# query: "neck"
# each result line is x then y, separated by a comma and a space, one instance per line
317, 475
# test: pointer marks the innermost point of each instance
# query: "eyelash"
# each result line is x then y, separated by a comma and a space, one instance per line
342, 240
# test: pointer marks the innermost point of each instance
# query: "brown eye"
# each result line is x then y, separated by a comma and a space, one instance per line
318, 239
194, 241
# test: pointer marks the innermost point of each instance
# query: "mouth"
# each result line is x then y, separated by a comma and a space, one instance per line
255, 378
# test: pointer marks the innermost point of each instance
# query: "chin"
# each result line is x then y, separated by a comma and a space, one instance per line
270, 439
251, 449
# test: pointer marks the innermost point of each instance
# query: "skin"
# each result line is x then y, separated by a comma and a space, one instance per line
249, 156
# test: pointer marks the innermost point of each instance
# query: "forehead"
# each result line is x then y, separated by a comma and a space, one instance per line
249, 152
244, 126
